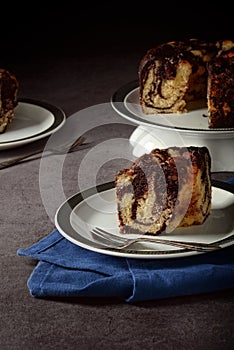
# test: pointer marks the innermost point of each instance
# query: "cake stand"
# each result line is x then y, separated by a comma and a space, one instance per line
166, 130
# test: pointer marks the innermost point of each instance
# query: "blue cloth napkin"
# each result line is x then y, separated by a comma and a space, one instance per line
67, 270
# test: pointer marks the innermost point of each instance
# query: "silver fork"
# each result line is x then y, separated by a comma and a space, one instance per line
64, 148
113, 241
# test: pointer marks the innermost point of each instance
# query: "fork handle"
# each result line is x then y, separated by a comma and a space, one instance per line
16, 160
188, 245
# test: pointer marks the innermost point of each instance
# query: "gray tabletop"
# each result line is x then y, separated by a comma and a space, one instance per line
80, 79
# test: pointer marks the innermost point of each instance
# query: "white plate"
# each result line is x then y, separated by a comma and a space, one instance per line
33, 120
126, 102
97, 207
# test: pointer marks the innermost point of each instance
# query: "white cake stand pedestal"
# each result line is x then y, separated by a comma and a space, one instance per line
221, 147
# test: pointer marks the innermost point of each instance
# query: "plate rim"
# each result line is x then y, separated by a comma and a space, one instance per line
59, 120
118, 104
70, 203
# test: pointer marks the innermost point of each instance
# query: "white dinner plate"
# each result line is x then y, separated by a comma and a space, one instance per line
33, 120
97, 207
126, 103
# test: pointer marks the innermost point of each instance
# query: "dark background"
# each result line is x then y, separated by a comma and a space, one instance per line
39, 28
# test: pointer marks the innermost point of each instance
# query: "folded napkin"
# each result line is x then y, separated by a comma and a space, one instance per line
67, 270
